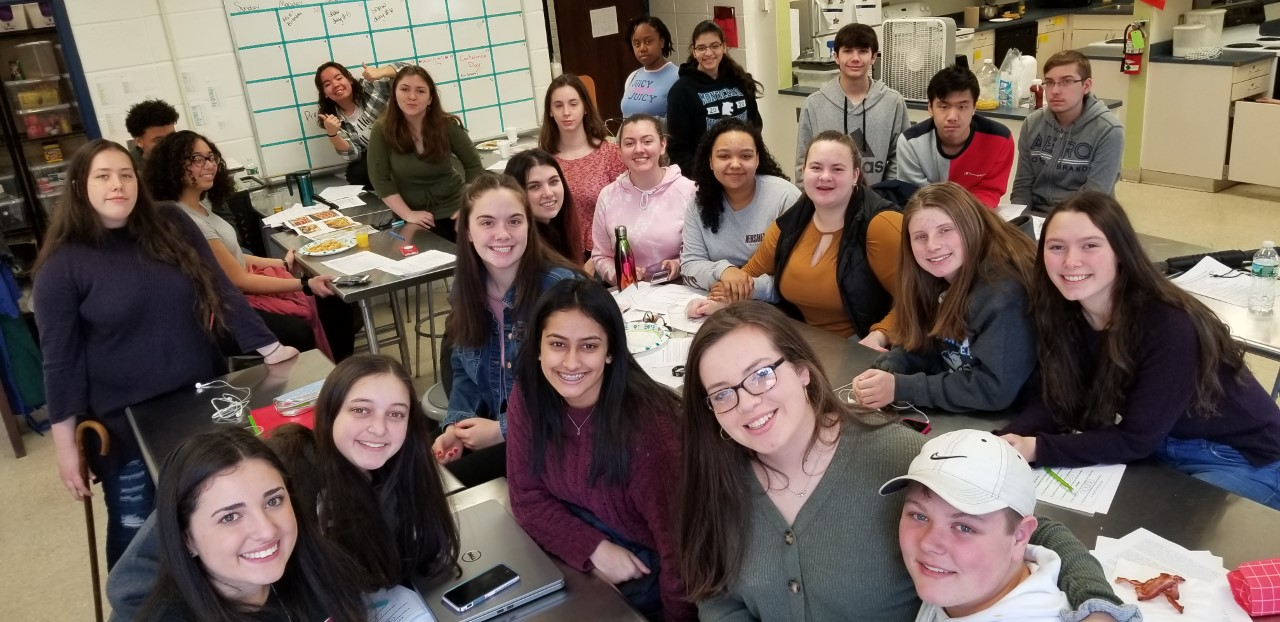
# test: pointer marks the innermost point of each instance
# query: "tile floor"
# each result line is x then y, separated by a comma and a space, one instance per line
43, 559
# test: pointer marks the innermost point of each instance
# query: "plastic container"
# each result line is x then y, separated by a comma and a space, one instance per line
814, 78
49, 201
49, 176
12, 18
1262, 288
1187, 38
38, 59
987, 76
39, 14
46, 121
1213, 20
37, 93
12, 215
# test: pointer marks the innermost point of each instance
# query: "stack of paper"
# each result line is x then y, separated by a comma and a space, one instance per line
360, 262
1143, 555
667, 300
417, 264
1091, 488
659, 362
343, 196
1213, 279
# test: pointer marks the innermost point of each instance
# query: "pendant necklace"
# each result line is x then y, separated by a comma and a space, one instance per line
584, 421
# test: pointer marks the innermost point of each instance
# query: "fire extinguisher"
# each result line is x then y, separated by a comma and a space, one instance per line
1134, 42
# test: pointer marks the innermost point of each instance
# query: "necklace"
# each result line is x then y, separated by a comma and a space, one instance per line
816, 458
584, 421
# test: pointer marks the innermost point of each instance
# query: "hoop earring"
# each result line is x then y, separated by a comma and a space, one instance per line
724, 435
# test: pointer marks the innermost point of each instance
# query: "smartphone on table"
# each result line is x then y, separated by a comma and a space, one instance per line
352, 280
480, 588
657, 274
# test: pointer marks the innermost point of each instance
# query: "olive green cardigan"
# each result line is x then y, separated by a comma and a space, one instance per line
430, 185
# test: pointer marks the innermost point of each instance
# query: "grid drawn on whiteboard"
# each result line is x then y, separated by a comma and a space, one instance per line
476, 51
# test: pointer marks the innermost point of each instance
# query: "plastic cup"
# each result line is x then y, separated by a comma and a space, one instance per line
362, 239
512, 137
504, 148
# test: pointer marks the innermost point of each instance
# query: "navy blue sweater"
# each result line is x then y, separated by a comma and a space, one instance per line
1158, 405
118, 328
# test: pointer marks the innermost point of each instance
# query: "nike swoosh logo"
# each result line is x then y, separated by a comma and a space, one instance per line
935, 456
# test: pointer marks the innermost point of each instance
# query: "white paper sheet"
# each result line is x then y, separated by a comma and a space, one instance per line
659, 363
1144, 555
342, 202
417, 264
293, 211
499, 166
1093, 488
1213, 279
604, 22
398, 604
333, 193
358, 263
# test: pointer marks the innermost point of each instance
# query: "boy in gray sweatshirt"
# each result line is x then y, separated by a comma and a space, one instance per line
1073, 143
868, 111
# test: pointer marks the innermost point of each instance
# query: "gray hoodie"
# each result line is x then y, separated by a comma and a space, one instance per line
874, 124
1054, 161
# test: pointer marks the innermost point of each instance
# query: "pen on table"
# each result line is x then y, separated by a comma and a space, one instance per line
392, 233
1058, 478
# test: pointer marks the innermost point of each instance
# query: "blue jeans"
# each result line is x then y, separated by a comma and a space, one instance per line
644, 594
127, 489
1224, 467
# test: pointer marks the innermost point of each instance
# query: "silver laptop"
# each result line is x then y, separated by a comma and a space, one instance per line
490, 536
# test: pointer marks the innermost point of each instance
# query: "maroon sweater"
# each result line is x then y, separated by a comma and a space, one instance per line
641, 510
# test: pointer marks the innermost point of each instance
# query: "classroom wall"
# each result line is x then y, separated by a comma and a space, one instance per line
176, 50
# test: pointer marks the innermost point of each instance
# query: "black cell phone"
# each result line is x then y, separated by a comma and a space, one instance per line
351, 281
480, 588
657, 274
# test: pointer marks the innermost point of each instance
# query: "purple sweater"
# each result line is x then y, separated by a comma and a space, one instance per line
1158, 405
642, 510
117, 328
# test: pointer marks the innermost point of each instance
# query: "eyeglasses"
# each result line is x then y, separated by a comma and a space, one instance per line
757, 383
1065, 83
714, 47
912, 417
199, 160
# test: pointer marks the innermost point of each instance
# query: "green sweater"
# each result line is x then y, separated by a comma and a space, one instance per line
431, 185
845, 563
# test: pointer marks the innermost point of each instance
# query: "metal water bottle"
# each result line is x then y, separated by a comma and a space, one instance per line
624, 261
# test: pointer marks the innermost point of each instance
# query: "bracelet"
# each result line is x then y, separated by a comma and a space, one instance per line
306, 286
331, 135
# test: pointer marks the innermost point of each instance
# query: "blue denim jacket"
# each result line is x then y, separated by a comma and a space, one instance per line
480, 383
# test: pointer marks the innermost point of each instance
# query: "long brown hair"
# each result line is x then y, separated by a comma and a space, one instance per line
470, 329
993, 250
592, 123
435, 131
561, 233
1086, 393
154, 228
325, 105
715, 481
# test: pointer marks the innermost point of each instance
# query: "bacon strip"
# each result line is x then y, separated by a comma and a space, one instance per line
1166, 584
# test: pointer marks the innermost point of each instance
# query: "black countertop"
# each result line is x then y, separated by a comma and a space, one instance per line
1036, 14
1163, 53
1017, 114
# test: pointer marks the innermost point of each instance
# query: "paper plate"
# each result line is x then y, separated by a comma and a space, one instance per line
643, 336
1000, 19
344, 244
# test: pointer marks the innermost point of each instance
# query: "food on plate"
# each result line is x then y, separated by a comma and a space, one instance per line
1010, 15
326, 246
300, 221
339, 222
1166, 584
488, 145
309, 228
325, 215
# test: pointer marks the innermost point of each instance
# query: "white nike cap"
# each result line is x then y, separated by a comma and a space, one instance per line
975, 471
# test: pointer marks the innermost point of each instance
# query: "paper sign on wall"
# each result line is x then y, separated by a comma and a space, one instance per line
604, 22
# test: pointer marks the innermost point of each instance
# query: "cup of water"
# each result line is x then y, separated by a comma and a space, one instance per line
512, 137
504, 148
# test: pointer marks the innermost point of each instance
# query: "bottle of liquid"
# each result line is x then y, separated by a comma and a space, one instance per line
624, 262
987, 76
1037, 92
1262, 289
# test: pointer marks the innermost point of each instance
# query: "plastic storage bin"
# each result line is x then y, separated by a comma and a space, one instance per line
12, 17
37, 93
11, 214
40, 14
49, 177
45, 122
49, 201
814, 78
38, 59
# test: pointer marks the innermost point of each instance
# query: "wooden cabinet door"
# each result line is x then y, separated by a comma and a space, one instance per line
608, 59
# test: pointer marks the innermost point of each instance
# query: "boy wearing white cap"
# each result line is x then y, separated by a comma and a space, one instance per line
964, 531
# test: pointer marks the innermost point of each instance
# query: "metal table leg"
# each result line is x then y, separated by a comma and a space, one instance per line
370, 329
398, 317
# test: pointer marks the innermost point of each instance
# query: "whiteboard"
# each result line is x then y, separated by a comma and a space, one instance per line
476, 51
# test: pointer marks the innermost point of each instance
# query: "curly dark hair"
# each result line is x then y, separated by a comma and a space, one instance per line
149, 113
167, 174
710, 194
328, 106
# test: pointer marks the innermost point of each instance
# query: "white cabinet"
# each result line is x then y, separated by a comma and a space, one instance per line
1255, 144
984, 46
1051, 37
1089, 29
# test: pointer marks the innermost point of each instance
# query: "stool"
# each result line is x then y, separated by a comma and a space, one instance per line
425, 326
435, 402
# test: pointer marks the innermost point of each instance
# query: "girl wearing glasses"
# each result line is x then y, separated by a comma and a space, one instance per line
593, 451
1116, 337
834, 255
741, 191
712, 86
188, 169
965, 340
411, 151
573, 131
776, 474
650, 200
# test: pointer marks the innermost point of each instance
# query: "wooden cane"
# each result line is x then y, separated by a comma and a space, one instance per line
105, 440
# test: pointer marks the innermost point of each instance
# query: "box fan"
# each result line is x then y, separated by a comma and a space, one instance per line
914, 50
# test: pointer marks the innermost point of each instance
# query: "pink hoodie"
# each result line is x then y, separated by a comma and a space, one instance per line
654, 220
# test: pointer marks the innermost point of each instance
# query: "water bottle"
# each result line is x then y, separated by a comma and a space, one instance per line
624, 262
987, 86
1262, 288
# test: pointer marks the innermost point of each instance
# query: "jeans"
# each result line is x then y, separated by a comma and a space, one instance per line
644, 594
1224, 467
127, 490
